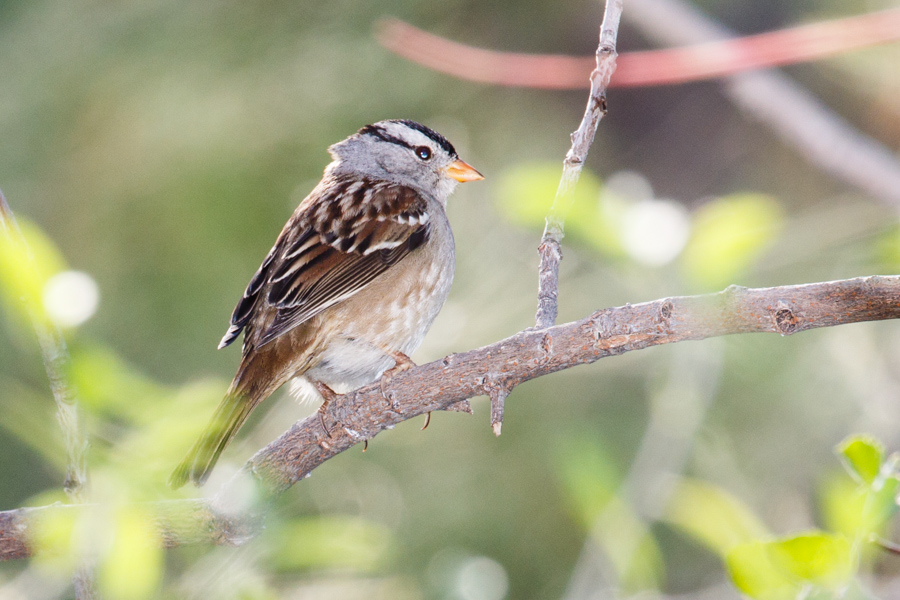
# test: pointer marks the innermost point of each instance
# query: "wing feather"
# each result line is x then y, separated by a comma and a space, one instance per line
341, 237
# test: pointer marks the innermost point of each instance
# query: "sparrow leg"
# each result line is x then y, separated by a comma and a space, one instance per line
401, 363
328, 395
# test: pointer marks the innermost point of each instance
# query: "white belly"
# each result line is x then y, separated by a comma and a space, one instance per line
385, 318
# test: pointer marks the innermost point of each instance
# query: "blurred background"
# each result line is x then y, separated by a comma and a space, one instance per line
152, 151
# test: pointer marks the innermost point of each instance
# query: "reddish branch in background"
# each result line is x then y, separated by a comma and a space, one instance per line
657, 67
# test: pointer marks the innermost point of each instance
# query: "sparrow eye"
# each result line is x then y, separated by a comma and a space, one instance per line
423, 152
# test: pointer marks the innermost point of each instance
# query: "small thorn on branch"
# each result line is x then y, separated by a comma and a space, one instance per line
498, 399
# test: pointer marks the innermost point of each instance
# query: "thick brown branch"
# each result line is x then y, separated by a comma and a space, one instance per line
533, 353
444, 384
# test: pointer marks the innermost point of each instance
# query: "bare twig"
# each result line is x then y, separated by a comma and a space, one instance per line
582, 138
56, 359
635, 69
444, 384
799, 118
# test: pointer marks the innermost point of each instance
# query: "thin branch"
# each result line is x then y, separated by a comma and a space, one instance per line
447, 383
550, 250
695, 62
823, 137
56, 359
56, 363
177, 523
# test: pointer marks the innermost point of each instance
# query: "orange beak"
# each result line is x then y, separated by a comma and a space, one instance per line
463, 172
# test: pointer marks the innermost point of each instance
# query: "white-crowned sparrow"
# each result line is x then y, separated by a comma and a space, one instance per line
353, 282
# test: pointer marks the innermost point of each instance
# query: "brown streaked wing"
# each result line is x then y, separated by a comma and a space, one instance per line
352, 273
336, 243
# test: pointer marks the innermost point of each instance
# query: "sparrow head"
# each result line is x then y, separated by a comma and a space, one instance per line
406, 153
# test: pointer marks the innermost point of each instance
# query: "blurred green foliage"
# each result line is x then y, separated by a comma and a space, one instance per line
716, 518
525, 194
728, 234
26, 263
133, 565
354, 545
785, 569
819, 563
160, 147
594, 493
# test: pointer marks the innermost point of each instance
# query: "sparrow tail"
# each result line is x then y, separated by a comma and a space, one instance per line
202, 457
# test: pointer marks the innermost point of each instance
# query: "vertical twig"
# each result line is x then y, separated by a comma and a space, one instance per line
56, 362
550, 250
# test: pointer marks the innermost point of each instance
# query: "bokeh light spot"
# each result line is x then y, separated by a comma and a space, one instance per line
71, 298
654, 232
482, 578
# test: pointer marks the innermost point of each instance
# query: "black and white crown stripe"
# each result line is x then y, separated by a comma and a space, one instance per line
392, 131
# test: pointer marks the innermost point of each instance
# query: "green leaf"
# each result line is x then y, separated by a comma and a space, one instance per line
780, 569
157, 441
525, 192
820, 558
857, 510
630, 546
29, 414
862, 456
713, 516
728, 235
884, 504
52, 536
753, 573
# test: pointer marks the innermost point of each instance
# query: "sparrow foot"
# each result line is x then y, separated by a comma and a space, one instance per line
401, 363
328, 395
